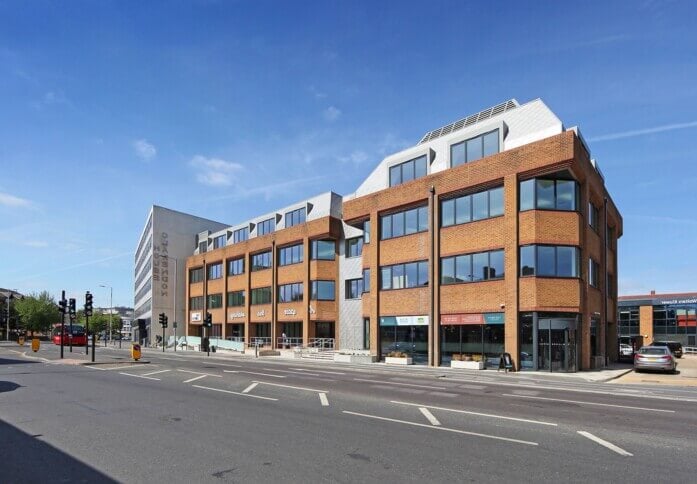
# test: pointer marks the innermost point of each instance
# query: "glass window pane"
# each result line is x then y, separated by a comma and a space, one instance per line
457, 154
527, 260
386, 227
546, 261
480, 266
386, 278
447, 213
491, 143
366, 231
462, 210
527, 195
423, 219
545, 194
325, 249
423, 274
420, 168
395, 175
496, 202
447, 270
474, 149
480, 206
407, 171
566, 195
325, 290
463, 268
411, 275
411, 222
398, 277
566, 262
496, 264
397, 224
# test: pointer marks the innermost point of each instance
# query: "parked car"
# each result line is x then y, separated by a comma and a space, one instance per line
626, 350
675, 347
655, 358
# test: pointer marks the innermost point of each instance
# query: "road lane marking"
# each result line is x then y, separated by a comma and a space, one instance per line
479, 414
253, 373
320, 371
605, 443
139, 376
292, 372
194, 378
155, 372
121, 367
249, 388
235, 393
384, 382
429, 416
291, 386
590, 403
97, 368
198, 373
446, 429
323, 399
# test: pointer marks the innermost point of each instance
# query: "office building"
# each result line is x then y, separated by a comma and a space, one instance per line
658, 317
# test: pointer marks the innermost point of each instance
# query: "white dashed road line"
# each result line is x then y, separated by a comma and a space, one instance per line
155, 372
321, 371
254, 373
139, 376
479, 414
580, 402
194, 378
291, 386
235, 393
250, 388
384, 382
323, 399
605, 444
429, 416
198, 373
446, 429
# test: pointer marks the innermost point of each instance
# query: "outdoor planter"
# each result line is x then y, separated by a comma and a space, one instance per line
348, 358
467, 365
395, 360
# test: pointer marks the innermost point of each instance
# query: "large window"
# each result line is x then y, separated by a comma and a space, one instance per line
408, 171
628, 323
235, 298
404, 276
482, 266
366, 280
261, 295
540, 193
354, 288
202, 247
196, 275
219, 242
215, 271
235, 267
266, 227
474, 148
366, 232
261, 261
322, 249
195, 302
290, 292
240, 235
404, 223
593, 273
215, 301
354, 247
295, 217
468, 208
290, 255
549, 261
593, 216
322, 291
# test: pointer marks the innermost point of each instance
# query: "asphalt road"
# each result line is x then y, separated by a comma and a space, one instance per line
188, 418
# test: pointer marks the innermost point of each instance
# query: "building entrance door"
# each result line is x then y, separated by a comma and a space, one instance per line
556, 341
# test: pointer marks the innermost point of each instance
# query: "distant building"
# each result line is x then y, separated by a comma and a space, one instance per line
658, 317
167, 239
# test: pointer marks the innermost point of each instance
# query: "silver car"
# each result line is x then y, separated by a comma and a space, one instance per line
654, 358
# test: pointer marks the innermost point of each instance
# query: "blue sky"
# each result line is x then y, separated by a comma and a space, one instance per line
231, 109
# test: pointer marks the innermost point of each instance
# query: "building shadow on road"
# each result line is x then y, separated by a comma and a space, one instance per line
8, 386
27, 459
13, 361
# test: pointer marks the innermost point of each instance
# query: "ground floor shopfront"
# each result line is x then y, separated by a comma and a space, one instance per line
548, 341
658, 317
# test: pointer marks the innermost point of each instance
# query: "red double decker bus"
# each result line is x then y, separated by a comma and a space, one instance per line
79, 338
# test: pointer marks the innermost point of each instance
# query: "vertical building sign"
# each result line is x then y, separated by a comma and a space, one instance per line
160, 265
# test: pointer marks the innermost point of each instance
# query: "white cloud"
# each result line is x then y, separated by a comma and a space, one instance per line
641, 132
356, 157
215, 171
16, 202
332, 113
144, 150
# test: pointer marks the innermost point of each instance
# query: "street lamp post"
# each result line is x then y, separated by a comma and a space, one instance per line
111, 308
9, 297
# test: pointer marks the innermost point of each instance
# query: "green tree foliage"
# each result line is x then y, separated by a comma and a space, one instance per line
100, 322
37, 312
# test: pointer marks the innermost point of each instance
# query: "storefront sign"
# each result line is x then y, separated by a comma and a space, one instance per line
196, 317
160, 265
473, 318
677, 301
236, 315
289, 312
404, 321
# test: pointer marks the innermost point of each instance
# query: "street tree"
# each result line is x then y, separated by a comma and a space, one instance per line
37, 312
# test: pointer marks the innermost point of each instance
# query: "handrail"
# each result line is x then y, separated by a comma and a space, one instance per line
689, 350
321, 343
287, 342
259, 341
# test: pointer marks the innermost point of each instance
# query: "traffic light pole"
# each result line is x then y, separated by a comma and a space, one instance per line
62, 310
93, 346
87, 333
163, 338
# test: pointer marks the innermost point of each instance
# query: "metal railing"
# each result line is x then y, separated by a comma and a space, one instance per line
288, 342
322, 344
689, 350
259, 341
235, 338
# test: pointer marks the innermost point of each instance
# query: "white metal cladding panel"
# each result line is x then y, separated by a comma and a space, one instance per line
350, 310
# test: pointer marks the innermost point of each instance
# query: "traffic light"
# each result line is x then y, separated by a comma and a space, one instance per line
163, 320
62, 306
88, 304
208, 323
71, 308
